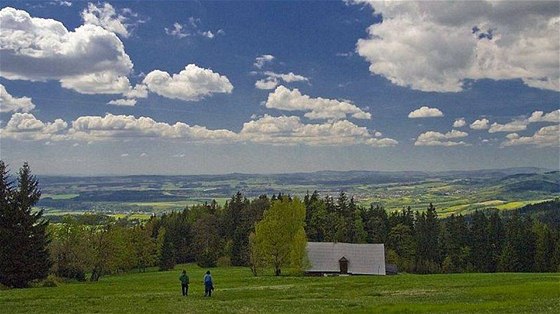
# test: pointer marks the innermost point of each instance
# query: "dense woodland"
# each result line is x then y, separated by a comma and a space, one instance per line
266, 232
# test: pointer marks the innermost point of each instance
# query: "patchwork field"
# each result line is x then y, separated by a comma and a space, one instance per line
237, 291
451, 192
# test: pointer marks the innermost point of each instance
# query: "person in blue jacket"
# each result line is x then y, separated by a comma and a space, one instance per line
208, 284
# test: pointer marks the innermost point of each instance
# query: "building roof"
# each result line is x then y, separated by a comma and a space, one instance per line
363, 259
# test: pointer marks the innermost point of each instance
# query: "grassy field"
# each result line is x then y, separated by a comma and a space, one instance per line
237, 291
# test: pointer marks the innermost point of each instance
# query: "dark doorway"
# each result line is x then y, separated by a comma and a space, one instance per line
343, 262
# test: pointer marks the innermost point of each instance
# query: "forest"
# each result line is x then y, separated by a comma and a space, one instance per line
267, 232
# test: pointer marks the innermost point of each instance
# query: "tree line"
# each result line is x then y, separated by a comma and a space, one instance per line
260, 233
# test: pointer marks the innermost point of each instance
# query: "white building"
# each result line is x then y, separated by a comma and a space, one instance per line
346, 258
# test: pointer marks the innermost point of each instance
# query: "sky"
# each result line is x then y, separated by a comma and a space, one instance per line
209, 87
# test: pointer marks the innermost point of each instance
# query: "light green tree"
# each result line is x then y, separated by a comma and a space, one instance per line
280, 236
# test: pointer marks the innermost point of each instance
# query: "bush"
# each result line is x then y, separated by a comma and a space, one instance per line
206, 259
224, 261
50, 281
72, 273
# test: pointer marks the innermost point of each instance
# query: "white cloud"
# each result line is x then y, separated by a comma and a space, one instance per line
432, 138
548, 136
96, 128
106, 82
480, 124
317, 108
124, 155
62, 3
208, 34
143, 155
139, 91
290, 131
288, 77
106, 17
176, 31
273, 79
513, 126
89, 59
425, 112
122, 102
539, 116
435, 46
266, 84
262, 60
191, 29
9, 103
459, 123
191, 84
24, 126
265, 130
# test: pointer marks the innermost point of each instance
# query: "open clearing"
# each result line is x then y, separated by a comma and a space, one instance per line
237, 291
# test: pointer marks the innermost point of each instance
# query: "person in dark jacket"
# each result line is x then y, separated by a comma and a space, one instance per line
184, 283
208, 284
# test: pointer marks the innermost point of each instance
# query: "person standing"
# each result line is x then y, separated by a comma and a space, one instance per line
208, 284
184, 283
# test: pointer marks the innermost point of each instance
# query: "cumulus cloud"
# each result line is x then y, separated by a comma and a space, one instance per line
105, 16
89, 59
290, 130
122, 102
459, 123
539, 116
317, 108
139, 91
513, 126
9, 103
260, 61
425, 112
432, 138
548, 136
191, 84
266, 84
480, 124
435, 46
273, 79
24, 126
264, 130
96, 128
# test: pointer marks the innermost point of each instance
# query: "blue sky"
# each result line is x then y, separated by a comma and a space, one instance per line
157, 87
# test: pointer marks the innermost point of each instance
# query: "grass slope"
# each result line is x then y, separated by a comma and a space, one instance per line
237, 291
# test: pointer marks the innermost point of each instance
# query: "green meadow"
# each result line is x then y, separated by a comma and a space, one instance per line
237, 291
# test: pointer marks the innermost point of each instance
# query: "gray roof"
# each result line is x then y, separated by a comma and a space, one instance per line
363, 259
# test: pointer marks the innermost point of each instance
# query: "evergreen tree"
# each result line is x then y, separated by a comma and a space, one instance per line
167, 256
480, 243
495, 239
427, 241
544, 248
376, 224
24, 242
454, 234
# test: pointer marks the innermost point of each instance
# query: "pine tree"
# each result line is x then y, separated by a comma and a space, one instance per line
24, 254
167, 256
495, 238
480, 243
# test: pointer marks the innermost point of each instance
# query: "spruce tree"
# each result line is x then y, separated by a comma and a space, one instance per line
167, 256
23, 249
